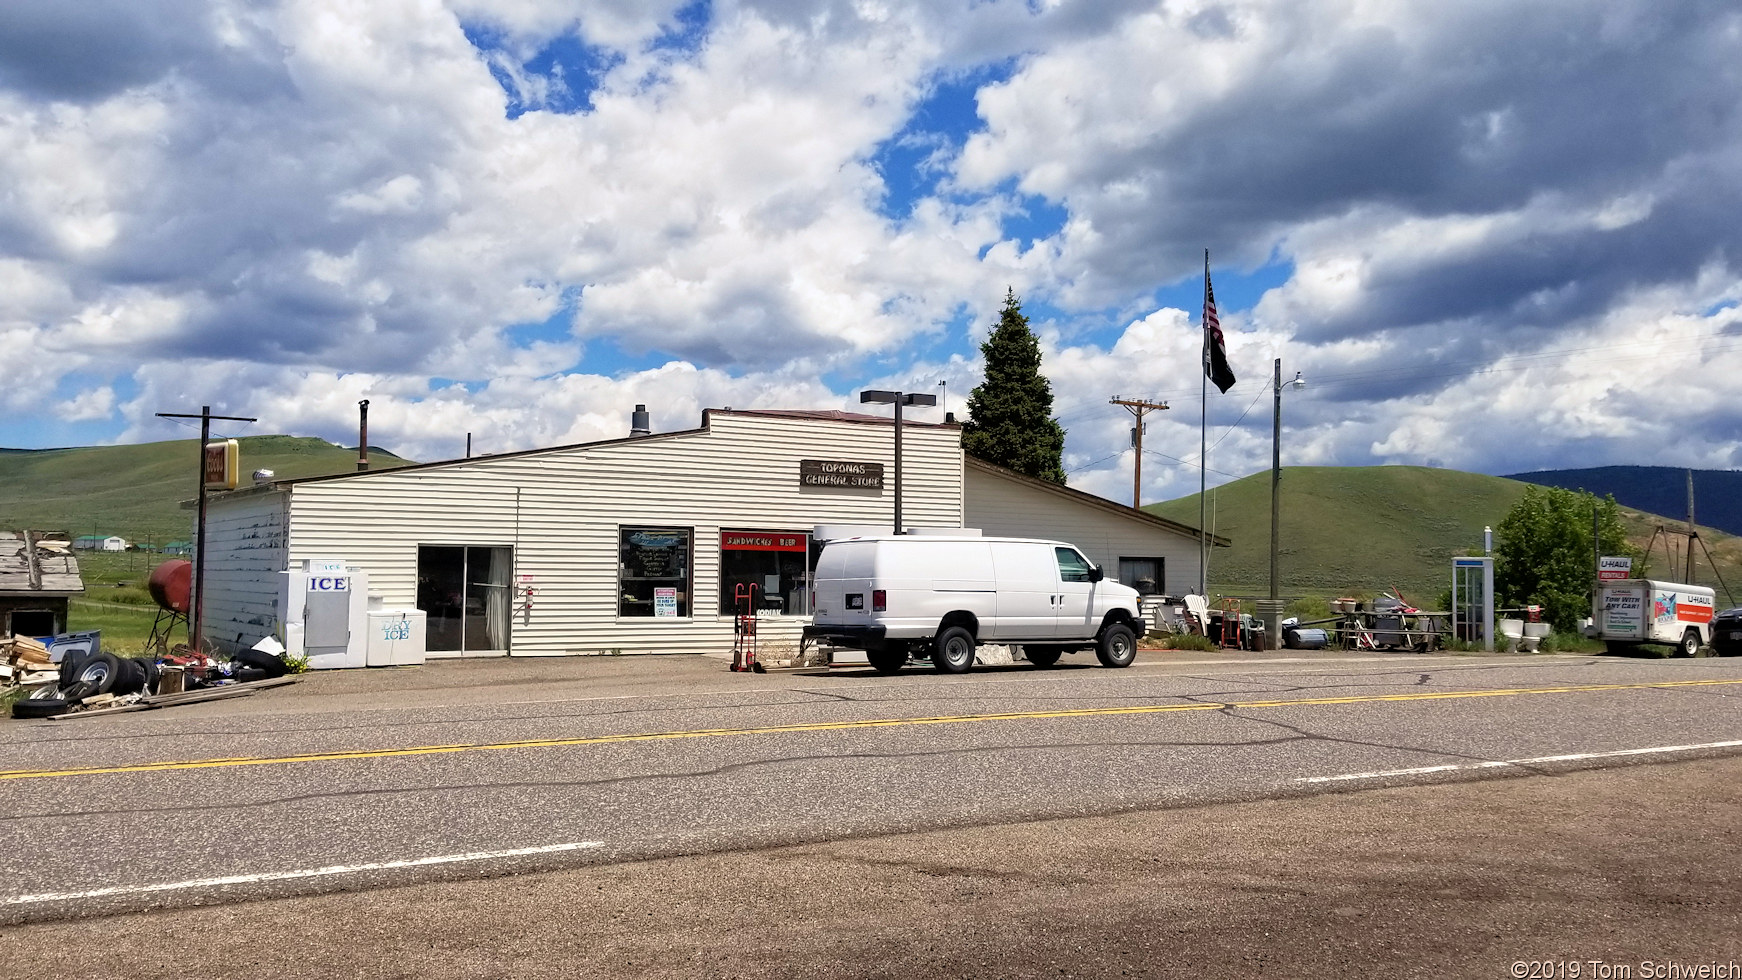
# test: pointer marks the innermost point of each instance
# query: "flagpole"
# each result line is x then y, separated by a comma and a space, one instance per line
1203, 436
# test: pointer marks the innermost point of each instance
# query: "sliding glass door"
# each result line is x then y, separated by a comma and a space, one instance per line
466, 592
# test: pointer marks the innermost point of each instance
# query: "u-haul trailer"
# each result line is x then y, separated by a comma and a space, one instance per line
1628, 612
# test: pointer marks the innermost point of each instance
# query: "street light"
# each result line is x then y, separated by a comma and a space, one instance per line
1271, 611
898, 399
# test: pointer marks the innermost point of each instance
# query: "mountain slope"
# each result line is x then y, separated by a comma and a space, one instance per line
1360, 530
1657, 490
136, 491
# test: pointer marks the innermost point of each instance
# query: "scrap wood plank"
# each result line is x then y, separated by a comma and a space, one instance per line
185, 697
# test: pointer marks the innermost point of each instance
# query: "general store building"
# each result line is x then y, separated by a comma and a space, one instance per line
643, 544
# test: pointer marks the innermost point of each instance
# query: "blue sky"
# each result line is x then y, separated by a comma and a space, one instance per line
520, 219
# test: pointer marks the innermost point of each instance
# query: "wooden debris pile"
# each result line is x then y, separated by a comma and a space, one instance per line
25, 662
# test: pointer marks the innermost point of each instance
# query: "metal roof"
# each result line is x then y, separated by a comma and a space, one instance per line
35, 563
1113, 506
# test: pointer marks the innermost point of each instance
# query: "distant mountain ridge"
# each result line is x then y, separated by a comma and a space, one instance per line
1357, 530
1657, 490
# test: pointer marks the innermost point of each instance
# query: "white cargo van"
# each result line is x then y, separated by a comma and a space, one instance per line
1628, 612
896, 596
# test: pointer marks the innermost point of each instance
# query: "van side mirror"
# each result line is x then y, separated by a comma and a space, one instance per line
1095, 574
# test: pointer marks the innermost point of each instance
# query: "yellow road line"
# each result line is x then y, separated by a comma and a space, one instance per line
833, 726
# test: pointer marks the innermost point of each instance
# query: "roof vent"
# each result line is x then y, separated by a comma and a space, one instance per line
639, 423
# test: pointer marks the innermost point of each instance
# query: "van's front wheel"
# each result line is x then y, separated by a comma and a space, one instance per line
954, 651
1117, 646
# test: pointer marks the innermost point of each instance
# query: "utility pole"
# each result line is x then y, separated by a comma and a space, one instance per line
195, 622
1693, 532
1138, 408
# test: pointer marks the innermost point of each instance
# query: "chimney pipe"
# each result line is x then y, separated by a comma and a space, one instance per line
639, 424
362, 435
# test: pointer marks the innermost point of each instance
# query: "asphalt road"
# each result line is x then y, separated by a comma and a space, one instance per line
417, 794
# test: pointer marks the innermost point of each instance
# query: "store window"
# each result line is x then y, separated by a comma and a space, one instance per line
653, 571
1143, 574
772, 566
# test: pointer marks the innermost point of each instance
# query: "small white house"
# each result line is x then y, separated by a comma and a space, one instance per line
644, 544
97, 542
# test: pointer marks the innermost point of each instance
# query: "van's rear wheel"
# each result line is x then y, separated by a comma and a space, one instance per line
954, 651
889, 659
1117, 646
1042, 656
1690, 644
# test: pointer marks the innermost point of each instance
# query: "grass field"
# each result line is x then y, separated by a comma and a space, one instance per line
115, 599
1360, 530
136, 491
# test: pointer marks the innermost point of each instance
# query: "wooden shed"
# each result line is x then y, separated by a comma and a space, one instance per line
38, 575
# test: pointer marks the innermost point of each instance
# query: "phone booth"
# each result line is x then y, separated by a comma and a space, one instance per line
1473, 600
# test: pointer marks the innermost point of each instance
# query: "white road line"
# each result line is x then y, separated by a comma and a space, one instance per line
337, 869
1576, 757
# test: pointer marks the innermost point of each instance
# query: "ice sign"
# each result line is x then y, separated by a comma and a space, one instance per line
396, 630
329, 583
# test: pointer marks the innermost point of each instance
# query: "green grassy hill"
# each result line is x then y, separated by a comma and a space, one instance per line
1358, 530
136, 491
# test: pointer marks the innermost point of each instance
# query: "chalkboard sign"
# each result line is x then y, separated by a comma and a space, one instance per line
655, 553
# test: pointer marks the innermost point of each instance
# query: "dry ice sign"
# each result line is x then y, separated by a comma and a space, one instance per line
840, 473
1612, 569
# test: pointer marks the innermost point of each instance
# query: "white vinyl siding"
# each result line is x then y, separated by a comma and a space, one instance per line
560, 510
245, 557
1004, 506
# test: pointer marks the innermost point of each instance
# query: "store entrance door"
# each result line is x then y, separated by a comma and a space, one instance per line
466, 593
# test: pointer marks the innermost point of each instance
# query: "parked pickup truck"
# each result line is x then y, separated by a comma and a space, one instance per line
1628, 612
897, 596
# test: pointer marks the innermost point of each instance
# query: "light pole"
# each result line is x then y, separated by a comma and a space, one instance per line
898, 399
1271, 611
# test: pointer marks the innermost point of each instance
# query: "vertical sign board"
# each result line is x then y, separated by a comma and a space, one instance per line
664, 601
1614, 569
223, 462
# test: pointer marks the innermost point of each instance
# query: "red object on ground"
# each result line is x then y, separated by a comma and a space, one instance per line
172, 584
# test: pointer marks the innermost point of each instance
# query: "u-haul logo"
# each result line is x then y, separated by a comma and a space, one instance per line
329, 583
1674, 607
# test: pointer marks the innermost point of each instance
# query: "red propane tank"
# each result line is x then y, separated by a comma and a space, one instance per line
171, 584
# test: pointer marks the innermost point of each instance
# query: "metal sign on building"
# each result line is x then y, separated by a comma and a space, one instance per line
840, 473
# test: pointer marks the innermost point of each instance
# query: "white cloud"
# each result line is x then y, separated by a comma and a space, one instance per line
286, 207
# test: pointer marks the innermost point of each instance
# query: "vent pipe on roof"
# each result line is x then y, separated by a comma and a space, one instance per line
639, 423
362, 435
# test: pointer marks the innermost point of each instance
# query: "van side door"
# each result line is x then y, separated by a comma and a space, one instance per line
1027, 593
1076, 596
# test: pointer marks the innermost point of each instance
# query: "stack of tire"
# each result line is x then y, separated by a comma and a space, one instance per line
86, 675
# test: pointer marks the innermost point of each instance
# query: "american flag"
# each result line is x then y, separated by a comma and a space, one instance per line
1215, 355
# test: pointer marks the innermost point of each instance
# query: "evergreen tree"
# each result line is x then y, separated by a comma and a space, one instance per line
1010, 419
